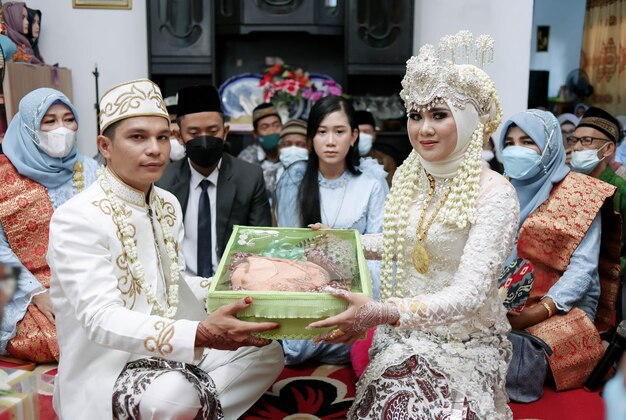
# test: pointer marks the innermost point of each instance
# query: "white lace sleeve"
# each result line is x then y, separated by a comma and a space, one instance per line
489, 243
372, 245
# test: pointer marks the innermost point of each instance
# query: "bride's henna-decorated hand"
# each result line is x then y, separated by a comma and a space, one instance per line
223, 331
362, 314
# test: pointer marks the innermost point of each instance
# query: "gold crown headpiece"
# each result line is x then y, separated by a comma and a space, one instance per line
434, 76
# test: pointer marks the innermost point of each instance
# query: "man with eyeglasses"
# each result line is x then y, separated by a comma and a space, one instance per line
593, 144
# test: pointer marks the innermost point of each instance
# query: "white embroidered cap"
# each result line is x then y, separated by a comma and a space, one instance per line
137, 98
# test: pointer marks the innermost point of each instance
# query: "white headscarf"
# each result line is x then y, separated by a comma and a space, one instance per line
466, 121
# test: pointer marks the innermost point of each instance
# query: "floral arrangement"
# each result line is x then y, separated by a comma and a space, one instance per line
329, 87
283, 84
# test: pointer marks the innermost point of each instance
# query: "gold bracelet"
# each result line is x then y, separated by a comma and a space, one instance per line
545, 305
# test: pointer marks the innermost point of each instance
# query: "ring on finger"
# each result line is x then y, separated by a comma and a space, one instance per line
336, 333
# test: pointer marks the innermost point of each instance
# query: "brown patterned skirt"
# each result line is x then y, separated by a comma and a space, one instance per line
138, 375
411, 390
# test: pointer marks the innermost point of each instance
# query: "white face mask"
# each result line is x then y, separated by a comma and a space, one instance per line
177, 150
291, 154
585, 161
57, 143
365, 143
487, 155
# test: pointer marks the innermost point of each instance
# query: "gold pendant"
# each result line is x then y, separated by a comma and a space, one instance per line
419, 256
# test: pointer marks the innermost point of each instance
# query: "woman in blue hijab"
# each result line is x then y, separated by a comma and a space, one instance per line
40, 170
558, 241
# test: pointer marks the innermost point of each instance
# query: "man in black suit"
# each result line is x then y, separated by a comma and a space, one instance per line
215, 190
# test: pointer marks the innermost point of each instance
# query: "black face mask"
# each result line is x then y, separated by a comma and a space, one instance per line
205, 151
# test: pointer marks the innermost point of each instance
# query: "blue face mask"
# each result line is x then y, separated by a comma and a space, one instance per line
365, 143
291, 154
520, 162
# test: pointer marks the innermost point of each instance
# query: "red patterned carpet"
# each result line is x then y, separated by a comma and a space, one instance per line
326, 392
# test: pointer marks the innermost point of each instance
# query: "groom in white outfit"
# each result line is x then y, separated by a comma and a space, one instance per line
135, 341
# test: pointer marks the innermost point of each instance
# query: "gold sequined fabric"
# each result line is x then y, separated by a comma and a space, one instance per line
551, 234
576, 347
25, 213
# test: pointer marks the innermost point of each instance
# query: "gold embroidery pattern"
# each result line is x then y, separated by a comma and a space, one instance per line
576, 347
133, 228
161, 343
25, 213
127, 284
104, 206
601, 122
551, 234
169, 212
133, 99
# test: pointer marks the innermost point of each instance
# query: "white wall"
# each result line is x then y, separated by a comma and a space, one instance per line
566, 19
509, 22
79, 38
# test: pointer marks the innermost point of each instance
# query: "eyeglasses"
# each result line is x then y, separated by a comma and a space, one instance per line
585, 141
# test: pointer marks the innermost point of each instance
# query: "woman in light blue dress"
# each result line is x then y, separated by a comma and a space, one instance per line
41, 169
328, 188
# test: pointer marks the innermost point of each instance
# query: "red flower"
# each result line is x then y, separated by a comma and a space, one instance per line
40, 250
275, 69
31, 226
267, 78
9, 179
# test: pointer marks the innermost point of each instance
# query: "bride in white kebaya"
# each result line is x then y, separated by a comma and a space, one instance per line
440, 349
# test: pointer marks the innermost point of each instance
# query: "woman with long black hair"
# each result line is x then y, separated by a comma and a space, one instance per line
329, 189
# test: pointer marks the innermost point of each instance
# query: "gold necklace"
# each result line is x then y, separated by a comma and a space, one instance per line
419, 256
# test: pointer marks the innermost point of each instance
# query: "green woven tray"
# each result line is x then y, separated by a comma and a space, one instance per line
293, 310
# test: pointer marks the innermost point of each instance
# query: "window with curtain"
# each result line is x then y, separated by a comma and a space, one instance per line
604, 53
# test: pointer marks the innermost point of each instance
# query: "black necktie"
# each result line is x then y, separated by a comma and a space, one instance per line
205, 252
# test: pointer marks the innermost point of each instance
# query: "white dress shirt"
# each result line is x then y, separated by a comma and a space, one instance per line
190, 244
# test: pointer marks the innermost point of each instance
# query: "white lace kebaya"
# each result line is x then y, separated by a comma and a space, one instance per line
448, 354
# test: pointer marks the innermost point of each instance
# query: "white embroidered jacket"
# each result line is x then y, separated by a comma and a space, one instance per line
103, 318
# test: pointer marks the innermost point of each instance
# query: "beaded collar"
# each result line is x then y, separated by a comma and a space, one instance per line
128, 193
